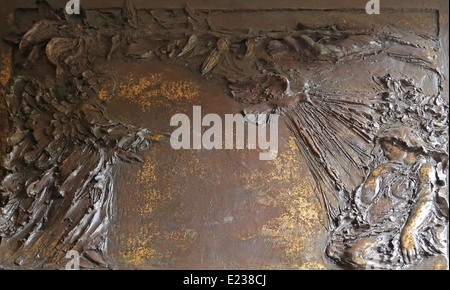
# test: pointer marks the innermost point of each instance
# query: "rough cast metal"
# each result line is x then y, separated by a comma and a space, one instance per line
379, 161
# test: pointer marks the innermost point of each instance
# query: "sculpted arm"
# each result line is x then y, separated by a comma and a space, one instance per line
419, 214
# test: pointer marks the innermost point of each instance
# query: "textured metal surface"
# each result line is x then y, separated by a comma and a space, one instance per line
361, 176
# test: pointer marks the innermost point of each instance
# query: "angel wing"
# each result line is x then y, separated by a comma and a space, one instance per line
61, 167
333, 140
331, 131
57, 194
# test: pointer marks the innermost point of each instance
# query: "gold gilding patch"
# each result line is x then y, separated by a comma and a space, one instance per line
152, 244
152, 90
150, 196
300, 225
140, 250
5, 75
103, 95
10, 18
5, 72
3, 130
155, 182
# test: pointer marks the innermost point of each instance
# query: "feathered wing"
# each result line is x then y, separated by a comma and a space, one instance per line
334, 141
332, 130
58, 192
60, 185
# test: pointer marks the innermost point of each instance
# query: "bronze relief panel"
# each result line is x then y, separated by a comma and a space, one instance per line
360, 180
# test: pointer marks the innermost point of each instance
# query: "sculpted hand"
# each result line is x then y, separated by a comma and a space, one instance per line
409, 247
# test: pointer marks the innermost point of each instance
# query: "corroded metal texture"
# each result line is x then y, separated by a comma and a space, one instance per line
361, 179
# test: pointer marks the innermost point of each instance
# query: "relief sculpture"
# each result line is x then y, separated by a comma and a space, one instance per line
378, 159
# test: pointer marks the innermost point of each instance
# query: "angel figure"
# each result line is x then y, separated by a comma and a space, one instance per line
397, 215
